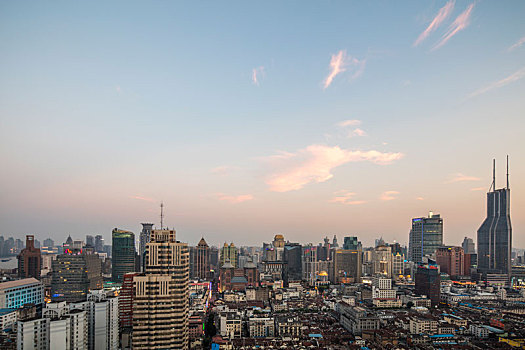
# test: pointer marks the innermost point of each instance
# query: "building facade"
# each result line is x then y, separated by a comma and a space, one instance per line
425, 237
29, 260
123, 254
451, 260
428, 282
15, 294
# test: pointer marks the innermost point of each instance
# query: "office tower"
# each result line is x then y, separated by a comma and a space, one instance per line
351, 243
468, 246
294, 266
90, 241
382, 260
36, 243
143, 240
310, 266
425, 237
398, 265
160, 307
123, 254
49, 243
428, 282
278, 244
214, 258
33, 334
29, 260
202, 260
451, 260
348, 265
230, 253
74, 274
15, 294
99, 244
126, 298
379, 242
495, 233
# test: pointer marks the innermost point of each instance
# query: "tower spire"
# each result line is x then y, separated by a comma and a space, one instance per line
494, 175
508, 172
161, 215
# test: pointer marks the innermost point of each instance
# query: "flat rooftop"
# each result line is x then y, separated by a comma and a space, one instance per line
18, 283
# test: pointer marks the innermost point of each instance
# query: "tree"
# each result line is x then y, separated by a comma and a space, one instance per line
410, 304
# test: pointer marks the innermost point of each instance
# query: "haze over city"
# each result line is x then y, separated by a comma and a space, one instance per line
247, 120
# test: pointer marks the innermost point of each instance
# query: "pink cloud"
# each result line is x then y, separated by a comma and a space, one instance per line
234, 199
501, 83
420, 198
478, 188
339, 64
222, 169
349, 122
389, 195
345, 197
460, 23
358, 132
442, 15
257, 73
315, 164
142, 198
517, 44
462, 178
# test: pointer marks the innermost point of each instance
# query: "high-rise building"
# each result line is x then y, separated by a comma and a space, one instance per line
90, 241
49, 243
426, 236
351, 243
310, 264
495, 233
230, 253
143, 240
201, 267
75, 273
29, 260
33, 334
160, 306
292, 257
126, 298
123, 254
428, 282
398, 265
451, 260
99, 244
15, 294
382, 260
347, 265
468, 246
334, 242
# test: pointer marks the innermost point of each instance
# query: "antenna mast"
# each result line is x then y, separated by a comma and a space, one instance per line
508, 172
161, 215
493, 175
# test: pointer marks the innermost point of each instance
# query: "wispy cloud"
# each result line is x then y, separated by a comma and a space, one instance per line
420, 198
234, 199
478, 188
501, 83
459, 177
441, 16
142, 198
223, 170
118, 89
257, 75
349, 122
517, 44
389, 195
358, 132
315, 164
460, 23
340, 63
346, 197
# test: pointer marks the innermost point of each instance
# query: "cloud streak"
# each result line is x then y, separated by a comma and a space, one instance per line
346, 197
500, 83
315, 164
234, 199
349, 122
518, 44
340, 63
146, 199
459, 177
257, 74
460, 23
389, 195
441, 16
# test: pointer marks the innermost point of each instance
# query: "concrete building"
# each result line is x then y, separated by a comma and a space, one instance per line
230, 325
16, 294
261, 327
451, 260
33, 334
468, 246
347, 266
310, 265
29, 260
160, 306
201, 267
143, 240
426, 236
382, 260
229, 253
428, 282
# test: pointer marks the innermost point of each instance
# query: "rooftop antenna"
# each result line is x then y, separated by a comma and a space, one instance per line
493, 186
161, 215
508, 172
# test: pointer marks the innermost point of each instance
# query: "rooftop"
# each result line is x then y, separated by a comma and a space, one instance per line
18, 283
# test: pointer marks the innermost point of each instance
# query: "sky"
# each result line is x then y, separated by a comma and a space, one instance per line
248, 119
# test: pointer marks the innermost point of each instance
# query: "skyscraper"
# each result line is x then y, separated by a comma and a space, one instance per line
468, 246
143, 240
90, 241
99, 244
428, 282
160, 305
123, 254
495, 233
29, 260
230, 253
202, 260
451, 260
426, 236
348, 265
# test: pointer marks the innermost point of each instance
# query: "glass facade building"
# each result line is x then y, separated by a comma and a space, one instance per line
123, 254
426, 236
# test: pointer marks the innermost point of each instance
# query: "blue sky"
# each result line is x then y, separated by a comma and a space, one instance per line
107, 109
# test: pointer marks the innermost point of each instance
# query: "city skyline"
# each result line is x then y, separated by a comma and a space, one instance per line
248, 121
